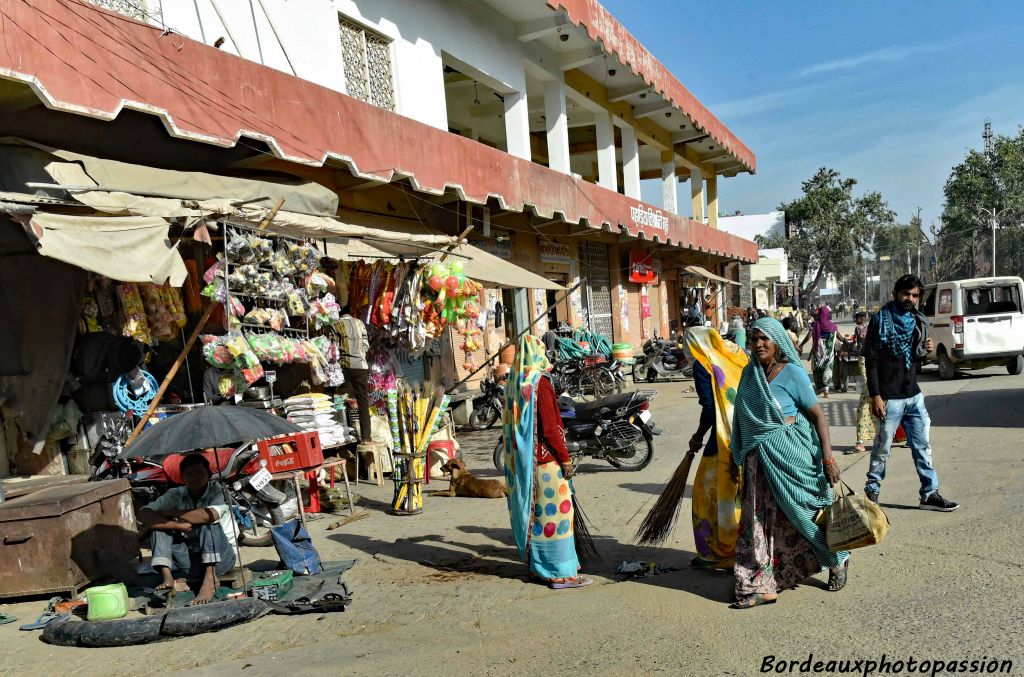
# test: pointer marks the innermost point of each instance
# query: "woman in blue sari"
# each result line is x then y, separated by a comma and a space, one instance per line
537, 471
781, 439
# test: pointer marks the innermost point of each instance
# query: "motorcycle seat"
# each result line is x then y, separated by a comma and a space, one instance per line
587, 411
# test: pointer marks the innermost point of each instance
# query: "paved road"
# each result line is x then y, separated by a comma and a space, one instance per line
443, 593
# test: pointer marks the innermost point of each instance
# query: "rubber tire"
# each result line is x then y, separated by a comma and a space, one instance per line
498, 457
1016, 366
477, 420
947, 370
638, 373
634, 468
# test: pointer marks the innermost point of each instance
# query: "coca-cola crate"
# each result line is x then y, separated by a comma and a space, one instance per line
297, 451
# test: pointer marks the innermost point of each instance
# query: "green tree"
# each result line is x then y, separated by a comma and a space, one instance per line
830, 228
983, 181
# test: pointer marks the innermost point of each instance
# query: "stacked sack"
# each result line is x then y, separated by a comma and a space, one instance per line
315, 412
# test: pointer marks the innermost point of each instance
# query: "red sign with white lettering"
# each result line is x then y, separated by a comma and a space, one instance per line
641, 268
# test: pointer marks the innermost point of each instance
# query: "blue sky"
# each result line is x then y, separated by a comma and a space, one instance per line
890, 93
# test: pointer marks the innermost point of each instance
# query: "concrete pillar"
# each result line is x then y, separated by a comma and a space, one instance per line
606, 174
630, 163
517, 125
713, 200
669, 183
557, 123
697, 194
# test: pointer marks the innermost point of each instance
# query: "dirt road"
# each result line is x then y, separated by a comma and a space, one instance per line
444, 592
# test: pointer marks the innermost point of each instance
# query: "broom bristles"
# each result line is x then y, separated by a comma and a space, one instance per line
586, 549
658, 524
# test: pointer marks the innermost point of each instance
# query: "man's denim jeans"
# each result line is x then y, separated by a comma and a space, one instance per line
912, 413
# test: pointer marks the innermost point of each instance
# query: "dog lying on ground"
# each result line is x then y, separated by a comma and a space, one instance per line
464, 483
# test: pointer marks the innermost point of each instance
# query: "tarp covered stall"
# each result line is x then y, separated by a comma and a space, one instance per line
126, 248
707, 274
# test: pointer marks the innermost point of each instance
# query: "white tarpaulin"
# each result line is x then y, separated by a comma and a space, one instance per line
125, 248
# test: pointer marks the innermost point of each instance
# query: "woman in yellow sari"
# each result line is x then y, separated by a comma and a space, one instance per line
717, 367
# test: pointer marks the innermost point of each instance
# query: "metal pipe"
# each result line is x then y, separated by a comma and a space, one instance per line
280, 44
227, 29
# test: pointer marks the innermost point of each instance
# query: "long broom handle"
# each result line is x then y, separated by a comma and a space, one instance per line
520, 335
174, 370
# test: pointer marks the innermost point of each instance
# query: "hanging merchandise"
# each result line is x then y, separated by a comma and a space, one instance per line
176, 306
160, 318
89, 321
134, 321
133, 392
383, 378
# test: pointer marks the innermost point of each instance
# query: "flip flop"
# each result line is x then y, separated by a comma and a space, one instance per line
5, 619
45, 619
574, 582
756, 600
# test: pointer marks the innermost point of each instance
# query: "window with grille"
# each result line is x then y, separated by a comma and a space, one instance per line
367, 58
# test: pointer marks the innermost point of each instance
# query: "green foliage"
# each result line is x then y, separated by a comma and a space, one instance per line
984, 181
830, 228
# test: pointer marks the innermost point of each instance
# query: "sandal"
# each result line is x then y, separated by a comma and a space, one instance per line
566, 583
837, 577
752, 601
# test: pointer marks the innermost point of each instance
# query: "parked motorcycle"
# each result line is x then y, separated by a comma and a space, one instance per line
259, 503
488, 407
586, 377
616, 429
661, 359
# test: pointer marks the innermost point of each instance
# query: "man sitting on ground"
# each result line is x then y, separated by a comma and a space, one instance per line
193, 531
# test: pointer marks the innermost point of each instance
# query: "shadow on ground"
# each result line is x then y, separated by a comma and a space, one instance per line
997, 408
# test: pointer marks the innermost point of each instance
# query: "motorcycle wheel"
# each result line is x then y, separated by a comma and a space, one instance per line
260, 539
642, 459
639, 372
498, 457
484, 418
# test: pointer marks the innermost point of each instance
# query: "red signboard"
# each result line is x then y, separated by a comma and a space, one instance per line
641, 268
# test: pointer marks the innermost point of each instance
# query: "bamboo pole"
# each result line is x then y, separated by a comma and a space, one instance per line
270, 216
458, 241
173, 370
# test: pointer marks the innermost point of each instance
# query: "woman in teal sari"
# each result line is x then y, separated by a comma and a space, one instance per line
781, 439
537, 471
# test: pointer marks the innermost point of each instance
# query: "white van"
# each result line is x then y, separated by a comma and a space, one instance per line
976, 324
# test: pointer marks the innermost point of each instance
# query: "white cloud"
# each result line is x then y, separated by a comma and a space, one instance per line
884, 55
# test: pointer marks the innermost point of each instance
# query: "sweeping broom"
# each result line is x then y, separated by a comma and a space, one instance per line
586, 549
659, 522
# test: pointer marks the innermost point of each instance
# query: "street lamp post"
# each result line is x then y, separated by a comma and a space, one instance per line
993, 215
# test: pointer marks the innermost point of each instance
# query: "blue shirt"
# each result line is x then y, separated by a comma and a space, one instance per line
706, 399
792, 390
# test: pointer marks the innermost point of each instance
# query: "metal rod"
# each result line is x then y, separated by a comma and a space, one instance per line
515, 340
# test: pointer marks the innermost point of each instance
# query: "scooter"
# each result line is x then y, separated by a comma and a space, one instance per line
617, 429
661, 359
240, 471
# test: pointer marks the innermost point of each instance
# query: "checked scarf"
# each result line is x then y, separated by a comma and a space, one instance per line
896, 330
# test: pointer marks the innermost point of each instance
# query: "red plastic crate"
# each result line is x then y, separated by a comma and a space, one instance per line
593, 359
301, 451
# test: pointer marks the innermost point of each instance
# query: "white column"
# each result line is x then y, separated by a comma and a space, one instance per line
697, 194
517, 125
557, 123
630, 162
669, 184
606, 174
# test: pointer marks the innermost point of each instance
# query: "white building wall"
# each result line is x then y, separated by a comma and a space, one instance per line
749, 225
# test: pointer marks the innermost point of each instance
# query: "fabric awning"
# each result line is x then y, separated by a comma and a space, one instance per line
477, 264
125, 248
705, 273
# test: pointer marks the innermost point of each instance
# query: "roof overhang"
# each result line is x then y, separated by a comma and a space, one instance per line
203, 94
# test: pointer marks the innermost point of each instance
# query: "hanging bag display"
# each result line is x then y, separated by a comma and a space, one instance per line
852, 521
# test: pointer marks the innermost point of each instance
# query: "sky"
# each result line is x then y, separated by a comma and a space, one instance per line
892, 94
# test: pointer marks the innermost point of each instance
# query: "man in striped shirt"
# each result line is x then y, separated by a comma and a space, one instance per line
353, 343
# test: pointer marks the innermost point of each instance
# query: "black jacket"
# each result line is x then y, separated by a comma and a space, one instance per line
888, 374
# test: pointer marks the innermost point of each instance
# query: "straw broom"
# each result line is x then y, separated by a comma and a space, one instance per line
658, 524
586, 549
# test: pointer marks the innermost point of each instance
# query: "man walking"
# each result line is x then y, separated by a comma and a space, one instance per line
353, 344
896, 340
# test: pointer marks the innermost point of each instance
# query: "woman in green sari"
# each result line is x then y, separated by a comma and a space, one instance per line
781, 439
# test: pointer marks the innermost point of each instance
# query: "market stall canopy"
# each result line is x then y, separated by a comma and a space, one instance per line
26, 162
126, 248
705, 273
478, 264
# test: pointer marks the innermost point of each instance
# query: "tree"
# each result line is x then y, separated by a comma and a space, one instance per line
830, 228
983, 181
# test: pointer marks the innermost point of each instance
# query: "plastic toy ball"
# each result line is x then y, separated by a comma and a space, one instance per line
452, 283
435, 283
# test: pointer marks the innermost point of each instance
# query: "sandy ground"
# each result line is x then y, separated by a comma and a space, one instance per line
444, 592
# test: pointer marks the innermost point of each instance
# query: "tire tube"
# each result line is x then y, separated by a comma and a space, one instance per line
175, 623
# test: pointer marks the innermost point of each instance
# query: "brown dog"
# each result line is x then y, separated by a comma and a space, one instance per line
465, 484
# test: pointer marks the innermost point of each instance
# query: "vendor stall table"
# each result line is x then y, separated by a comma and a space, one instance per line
296, 475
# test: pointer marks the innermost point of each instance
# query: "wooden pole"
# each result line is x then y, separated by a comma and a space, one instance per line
458, 241
173, 370
270, 216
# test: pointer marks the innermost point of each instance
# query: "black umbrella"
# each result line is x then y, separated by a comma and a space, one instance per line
207, 427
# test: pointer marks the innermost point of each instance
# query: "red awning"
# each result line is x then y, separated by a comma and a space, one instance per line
87, 61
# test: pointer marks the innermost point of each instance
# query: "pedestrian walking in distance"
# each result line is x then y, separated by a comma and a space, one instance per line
897, 340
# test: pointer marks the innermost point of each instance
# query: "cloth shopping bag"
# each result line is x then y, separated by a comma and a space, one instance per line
852, 521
